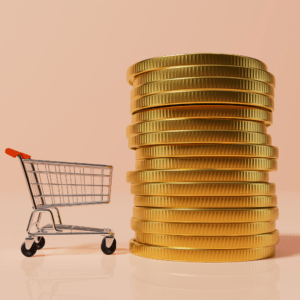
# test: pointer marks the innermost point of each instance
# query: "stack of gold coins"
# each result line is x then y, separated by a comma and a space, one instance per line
199, 128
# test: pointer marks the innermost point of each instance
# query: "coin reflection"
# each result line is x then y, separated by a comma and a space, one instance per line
155, 279
49, 279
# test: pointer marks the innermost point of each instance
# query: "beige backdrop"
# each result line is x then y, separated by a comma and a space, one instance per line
64, 96
63, 88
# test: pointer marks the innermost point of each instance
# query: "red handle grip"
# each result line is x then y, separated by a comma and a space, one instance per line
15, 153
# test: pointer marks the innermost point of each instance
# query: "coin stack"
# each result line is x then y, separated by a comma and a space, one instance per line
199, 128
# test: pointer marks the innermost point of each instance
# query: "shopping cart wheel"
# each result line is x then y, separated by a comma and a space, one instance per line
41, 243
112, 248
28, 252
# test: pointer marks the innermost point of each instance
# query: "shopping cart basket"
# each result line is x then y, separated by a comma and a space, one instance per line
53, 184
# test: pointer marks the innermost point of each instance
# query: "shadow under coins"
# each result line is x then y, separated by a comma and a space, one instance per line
67, 278
289, 245
157, 279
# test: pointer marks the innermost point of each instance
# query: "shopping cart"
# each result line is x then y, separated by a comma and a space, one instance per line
53, 184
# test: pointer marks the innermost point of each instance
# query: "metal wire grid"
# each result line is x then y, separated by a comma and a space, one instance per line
63, 184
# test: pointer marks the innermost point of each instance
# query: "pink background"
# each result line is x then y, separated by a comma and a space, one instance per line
64, 97
63, 65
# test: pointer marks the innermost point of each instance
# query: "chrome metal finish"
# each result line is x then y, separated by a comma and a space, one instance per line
54, 184
28, 242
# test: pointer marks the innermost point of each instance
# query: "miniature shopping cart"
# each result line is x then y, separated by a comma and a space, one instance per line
53, 184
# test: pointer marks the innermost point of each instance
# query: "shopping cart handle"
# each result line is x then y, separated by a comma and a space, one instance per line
15, 153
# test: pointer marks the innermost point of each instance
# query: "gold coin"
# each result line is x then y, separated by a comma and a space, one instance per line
198, 137
208, 242
203, 83
202, 229
206, 202
204, 112
162, 62
207, 163
222, 150
203, 189
197, 255
204, 71
206, 215
196, 176
187, 97
195, 124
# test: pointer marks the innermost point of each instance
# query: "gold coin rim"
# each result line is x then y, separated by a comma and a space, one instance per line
195, 124
198, 137
202, 84
208, 163
204, 112
218, 71
161, 62
208, 242
145, 176
202, 229
228, 255
225, 215
206, 202
209, 150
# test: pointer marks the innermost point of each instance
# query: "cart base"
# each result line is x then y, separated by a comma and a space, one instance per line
70, 229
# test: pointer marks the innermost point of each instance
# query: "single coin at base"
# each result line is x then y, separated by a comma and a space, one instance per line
195, 124
223, 150
198, 137
196, 176
206, 215
205, 71
202, 229
204, 112
197, 255
207, 163
162, 62
207, 242
203, 83
206, 202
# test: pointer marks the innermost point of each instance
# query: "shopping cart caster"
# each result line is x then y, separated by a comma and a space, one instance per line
108, 250
28, 251
41, 242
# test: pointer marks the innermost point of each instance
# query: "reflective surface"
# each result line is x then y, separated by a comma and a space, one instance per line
75, 267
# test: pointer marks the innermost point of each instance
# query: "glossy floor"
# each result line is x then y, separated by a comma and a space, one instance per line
75, 268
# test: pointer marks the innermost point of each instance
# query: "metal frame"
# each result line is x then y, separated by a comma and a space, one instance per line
62, 194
